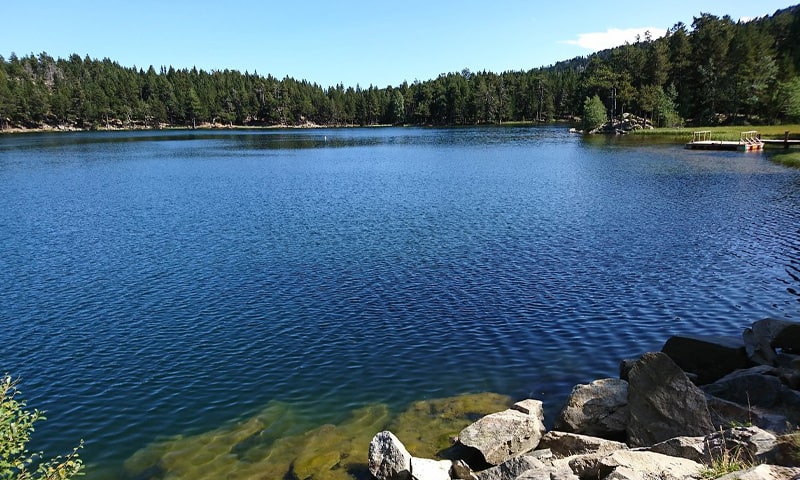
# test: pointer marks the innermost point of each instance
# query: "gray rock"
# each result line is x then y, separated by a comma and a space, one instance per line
748, 444
529, 407
599, 408
584, 466
560, 474
503, 435
426, 469
690, 448
543, 454
788, 360
783, 334
632, 462
663, 403
625, 367
625, 473
548, 473
763, 472
563, 444
710, 358
725, 413
512, 468
766, 335
753, 387
388, 458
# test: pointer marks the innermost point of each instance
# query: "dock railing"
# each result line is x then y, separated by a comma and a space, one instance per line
750, 137
701, 136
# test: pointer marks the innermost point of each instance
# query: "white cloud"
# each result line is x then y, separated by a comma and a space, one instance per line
613, 37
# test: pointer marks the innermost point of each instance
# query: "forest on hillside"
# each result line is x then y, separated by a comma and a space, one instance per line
715, 71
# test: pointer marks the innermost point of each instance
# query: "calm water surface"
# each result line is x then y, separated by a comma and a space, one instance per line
155, 284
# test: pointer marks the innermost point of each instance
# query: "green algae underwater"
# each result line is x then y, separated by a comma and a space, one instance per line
269, 444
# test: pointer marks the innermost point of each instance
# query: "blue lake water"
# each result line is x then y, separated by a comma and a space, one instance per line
155, 284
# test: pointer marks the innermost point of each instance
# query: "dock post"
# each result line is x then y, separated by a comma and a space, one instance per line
786, 139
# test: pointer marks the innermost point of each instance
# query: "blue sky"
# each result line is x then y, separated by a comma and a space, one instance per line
345, 41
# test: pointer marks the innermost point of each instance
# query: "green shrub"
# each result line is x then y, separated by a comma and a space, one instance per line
594, 113
16, 427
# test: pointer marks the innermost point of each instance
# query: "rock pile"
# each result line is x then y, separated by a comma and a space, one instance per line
700, 402
620, 126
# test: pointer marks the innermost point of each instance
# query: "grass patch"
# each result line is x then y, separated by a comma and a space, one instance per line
790, 159
722, 467
725, 459
729, 133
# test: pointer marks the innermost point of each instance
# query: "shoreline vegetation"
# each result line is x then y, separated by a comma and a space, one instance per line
716, 71
787, 157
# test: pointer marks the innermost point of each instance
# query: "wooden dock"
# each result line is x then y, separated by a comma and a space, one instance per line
748, 141
785, 143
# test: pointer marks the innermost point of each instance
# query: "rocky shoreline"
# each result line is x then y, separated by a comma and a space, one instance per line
702, 407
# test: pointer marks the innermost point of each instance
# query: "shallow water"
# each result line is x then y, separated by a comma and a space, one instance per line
163, 284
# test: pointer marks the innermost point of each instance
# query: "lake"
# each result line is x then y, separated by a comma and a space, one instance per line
186, 301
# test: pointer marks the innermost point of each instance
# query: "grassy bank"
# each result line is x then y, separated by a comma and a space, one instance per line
790, 159
726, 133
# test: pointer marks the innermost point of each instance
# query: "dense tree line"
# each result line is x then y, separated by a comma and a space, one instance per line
715, 70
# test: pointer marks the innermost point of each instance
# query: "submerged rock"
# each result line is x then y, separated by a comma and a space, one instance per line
275, 443
427, 427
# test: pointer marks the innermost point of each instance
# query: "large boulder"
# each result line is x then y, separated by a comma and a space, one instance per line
634, 464
725, 413
388, 458
599, 409
759, 388
503, 435
710, 358
663, 403
765, 335
563, 444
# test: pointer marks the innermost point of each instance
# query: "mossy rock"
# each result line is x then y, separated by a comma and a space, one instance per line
427, 426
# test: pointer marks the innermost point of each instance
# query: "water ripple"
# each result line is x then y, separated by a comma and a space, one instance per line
174, 283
